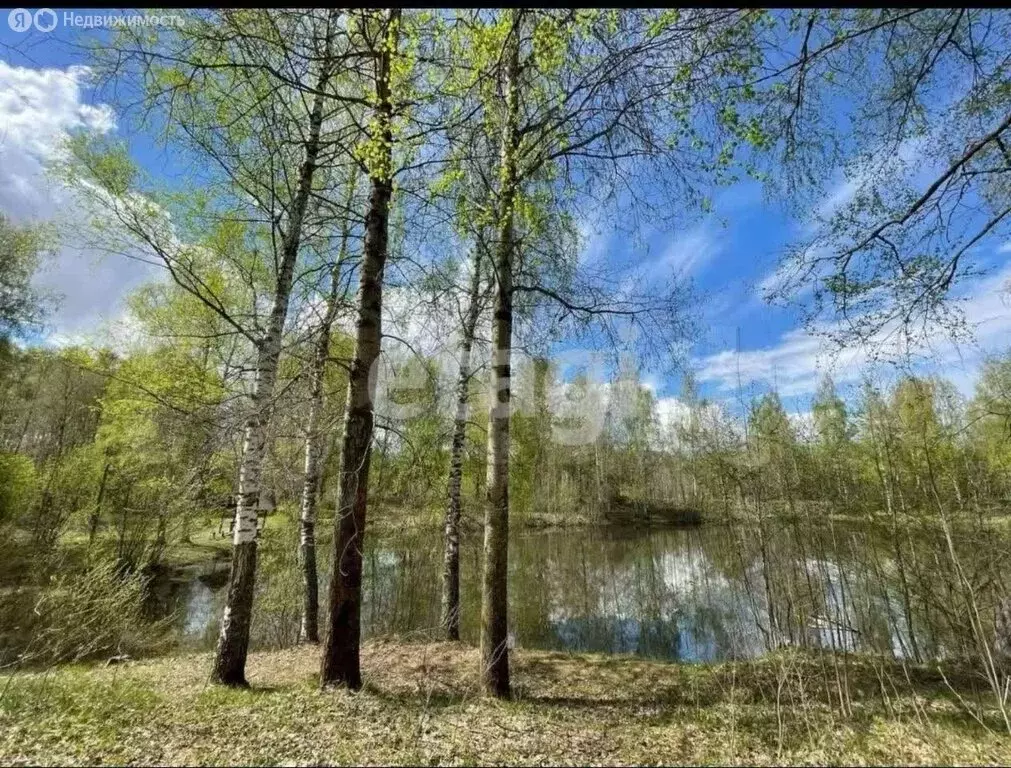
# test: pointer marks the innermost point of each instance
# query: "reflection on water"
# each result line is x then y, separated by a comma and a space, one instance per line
701, 594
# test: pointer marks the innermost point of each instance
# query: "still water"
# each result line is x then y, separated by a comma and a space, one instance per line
700, 594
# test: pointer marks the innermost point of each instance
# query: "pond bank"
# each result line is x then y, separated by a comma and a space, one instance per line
209, 544
421, 706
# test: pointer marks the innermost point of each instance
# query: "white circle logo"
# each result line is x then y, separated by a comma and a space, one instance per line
20, 19
45, 20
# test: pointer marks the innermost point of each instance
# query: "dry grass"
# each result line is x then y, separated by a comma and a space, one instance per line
420, 706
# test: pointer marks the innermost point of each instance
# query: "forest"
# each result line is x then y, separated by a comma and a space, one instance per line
391, 457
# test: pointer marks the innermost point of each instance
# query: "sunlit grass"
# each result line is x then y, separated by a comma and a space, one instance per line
421, 705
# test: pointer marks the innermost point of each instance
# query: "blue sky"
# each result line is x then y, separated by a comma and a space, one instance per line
727, 255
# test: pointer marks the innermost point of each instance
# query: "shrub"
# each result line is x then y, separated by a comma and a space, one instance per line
85, 614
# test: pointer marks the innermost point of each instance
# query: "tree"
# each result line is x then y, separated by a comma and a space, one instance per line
246, 109
450, 616
774, 441
341, 664
494, 605
990, 421
309, 631
916, 104
569, 111
21, 252
833, 434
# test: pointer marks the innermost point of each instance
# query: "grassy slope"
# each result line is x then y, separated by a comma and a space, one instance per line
420, 707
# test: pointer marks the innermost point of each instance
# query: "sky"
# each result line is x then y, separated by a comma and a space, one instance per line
728, 256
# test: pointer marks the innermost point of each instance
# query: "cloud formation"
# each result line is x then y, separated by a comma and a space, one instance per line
39, 110
691, 252
801, 357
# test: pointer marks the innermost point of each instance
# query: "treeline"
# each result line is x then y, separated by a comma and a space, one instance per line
915, 447
141, 448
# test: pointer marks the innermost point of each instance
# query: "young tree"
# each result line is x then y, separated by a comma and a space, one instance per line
451, 552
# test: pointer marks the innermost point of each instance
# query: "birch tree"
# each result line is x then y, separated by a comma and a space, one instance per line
256, 113
404, 72
451, 553
309, 630
579, 99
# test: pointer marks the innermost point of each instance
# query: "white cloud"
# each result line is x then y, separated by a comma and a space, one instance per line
792, 365
691, 252
39, 109
795, 365
803, 424
671, 413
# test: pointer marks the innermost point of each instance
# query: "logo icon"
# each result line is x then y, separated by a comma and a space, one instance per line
45, 20
20, 19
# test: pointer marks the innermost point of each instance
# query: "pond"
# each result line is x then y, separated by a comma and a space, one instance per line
698, 594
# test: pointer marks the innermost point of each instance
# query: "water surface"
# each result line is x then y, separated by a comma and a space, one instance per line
700, 594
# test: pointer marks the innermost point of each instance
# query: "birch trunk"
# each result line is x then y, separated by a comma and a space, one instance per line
451, 553
494, 597
233, 641
309, 629
341, 662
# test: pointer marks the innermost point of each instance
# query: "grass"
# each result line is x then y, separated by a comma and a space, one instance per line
421, 706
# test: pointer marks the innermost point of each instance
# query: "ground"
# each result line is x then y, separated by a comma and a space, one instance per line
421, 706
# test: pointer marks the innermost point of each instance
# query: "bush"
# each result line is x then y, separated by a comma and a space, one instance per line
83, 614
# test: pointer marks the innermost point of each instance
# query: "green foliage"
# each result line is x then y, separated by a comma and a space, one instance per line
413, 461
279, 585
19, 486
21, 253
830, 417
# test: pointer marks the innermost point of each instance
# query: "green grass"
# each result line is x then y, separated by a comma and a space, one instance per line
421, 706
